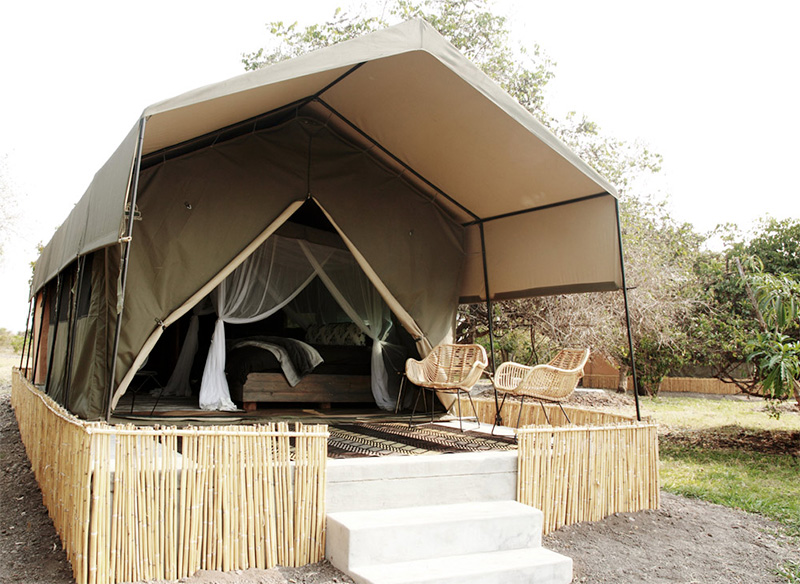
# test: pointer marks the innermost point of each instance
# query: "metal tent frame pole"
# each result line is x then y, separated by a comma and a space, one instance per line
27, 329
126, 241
628, 316
497, 419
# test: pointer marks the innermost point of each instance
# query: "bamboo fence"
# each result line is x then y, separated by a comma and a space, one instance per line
576, 474
141, 504
709, 385
600, 380
600, 463
533, 413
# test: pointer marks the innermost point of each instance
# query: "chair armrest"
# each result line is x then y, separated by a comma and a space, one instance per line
509, 375
548, 367
474, 375
415, 372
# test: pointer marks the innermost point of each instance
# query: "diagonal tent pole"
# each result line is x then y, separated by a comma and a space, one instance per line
126, 240
497, 419
31, 306
628, 317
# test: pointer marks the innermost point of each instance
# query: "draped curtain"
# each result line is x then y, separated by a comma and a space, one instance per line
359, 299
270, 280
263, 284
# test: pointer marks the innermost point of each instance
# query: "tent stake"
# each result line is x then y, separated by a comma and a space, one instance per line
124, 269
628, 316
497, 419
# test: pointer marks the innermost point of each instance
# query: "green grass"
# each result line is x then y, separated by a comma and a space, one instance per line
699, 413
766, 484
747, 479
790, 571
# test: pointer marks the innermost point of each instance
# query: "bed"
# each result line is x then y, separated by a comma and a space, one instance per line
257, 373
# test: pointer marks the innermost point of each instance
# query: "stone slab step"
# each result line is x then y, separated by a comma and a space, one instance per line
523, 566
407, 481
359, 538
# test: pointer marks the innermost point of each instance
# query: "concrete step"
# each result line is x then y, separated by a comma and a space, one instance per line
521, 566
359, 538
360, 484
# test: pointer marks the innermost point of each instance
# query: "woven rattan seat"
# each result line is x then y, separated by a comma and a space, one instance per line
449, 369
553, 382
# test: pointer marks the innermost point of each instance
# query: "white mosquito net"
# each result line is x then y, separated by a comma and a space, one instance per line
271, 280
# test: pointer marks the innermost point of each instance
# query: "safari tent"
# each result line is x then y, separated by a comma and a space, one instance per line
391, 152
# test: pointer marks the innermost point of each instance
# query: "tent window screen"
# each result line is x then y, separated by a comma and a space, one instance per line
85, 289
63, 308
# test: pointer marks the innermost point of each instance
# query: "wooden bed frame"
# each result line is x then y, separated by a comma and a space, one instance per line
315, 388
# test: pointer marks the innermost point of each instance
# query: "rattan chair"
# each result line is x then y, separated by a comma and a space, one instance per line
553, 382
449, 369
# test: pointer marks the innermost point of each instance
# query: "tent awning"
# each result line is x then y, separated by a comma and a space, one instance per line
411, 94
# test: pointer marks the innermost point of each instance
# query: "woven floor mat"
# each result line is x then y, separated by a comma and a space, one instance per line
356, 440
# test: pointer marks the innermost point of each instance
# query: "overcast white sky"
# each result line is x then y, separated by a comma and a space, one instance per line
711, 85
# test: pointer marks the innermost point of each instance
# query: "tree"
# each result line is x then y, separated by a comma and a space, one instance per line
776, 243
776, 349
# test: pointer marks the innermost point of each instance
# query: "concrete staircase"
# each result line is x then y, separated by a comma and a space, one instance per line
436, 519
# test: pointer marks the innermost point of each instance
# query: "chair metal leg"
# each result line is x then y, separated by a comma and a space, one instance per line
502, 403
474, 410
565, 413
400, 395
458, 409
414, 409
544, 409
433, 403
158, 397
519, 415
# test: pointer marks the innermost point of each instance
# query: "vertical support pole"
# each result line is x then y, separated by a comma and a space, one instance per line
497, 419
52, 350
73, 323
130, 203
39, 336
33, 332
628, 315
25, 338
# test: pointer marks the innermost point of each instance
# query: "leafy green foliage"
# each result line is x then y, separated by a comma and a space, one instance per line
777, 357
777, 244
776, 349
778, 298
11, 341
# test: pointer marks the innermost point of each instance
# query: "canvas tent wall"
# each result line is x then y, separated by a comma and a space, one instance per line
442, 186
